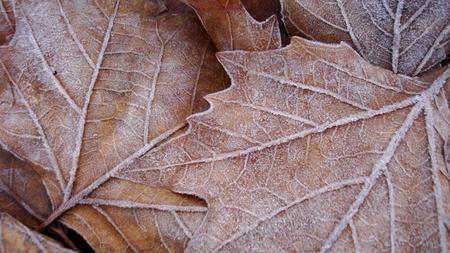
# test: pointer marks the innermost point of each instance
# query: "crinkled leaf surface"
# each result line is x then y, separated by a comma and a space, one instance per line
313, 149
16, 237
118, 216
17, 180
7, 21
407, 36
231, 27
88, 86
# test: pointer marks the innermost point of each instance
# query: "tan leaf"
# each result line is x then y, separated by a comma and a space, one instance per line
86, 88
408, 37
231, 27
117, 216
15, 237
17, 181
7, 21
313, 149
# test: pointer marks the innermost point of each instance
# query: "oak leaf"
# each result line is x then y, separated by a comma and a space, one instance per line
408, 37
313, 149
16, 237
86, 88
231, 27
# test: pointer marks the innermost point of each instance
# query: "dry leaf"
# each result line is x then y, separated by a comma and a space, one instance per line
87, 87
118, 215
408, 37
15, 237
176, 6
17, 180
262, 9
313, 149
231, 27
7, 21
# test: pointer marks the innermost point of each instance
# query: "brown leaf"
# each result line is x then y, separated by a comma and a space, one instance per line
17, 180
262, 9
231, 27
86, 88
15, 237
7, 21
176, 6
408, 37
313, 149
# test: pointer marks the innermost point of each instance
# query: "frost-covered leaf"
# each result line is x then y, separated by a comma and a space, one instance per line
118, 215
407, 36
15, 237
7, 21
313, 149
231, 27
86, 87
262, 9
17, 180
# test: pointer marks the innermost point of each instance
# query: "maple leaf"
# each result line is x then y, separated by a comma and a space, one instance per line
17, 201
262, 9
313, 149
7, 21
86, 88
231, 27
15, 237
408, 37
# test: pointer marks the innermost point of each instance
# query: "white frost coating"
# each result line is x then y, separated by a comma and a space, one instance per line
391, 208
376, 172
432, 49
381, 164
41, 132
181, 224
5, 15
74, 36
132, 204
321, 128
47, 68
397, 36
71, 202
406, 38
116, 227
272, 111
73, 171
435, 175
153, 85
313, 194
26, 237
349, 27
355, 237
35, 240
161, 238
